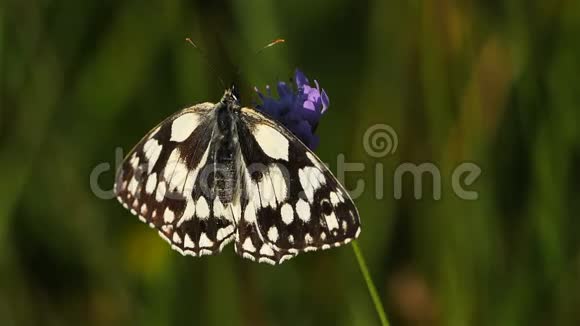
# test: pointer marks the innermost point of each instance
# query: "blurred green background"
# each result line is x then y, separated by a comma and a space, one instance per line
496, 83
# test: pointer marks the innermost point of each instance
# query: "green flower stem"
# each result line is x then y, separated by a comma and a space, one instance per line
370, 285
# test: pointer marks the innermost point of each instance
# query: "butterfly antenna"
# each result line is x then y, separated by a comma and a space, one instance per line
205, 58
274, 42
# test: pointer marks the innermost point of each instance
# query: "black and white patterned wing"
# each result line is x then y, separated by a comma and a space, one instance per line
158, 181
291, 201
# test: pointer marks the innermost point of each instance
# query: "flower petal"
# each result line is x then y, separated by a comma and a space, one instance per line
300, 79
325, 100
309, 105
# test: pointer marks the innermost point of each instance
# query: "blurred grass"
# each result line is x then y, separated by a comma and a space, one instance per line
493, 83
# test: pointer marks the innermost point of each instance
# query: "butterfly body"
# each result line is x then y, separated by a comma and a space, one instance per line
216, 173
227, 144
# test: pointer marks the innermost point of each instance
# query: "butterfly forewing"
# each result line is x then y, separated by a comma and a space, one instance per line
158, 181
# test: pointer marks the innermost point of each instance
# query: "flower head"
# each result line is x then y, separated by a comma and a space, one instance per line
298, 107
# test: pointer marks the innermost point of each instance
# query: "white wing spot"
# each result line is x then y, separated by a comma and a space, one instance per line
340, 196
250, 213
160, 194
168, 216
308, 238
249, 246
204, 252
248, 256
273, 233
311, 179
266, 250
204, 241
291, 239
222, 233
187, 242
152, 150
279, 183
287, 213
175, 171
273, 143
266, 189
133, 186
202, 208
179, 176
151, 183
188, 212
334, 198
134, 161
255, 194
303, 210
266, 260
183, 126
331, 221
176, 238
218, 208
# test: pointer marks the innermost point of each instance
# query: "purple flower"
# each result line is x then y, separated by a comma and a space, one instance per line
299, 107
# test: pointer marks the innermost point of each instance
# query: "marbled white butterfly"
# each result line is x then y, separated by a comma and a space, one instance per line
215, 173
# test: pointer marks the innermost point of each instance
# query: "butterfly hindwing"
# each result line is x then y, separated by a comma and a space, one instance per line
158, 181
299, 205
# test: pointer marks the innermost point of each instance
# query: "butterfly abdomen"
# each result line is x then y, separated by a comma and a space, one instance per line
225, 174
